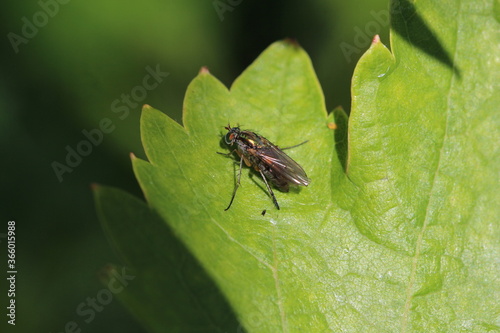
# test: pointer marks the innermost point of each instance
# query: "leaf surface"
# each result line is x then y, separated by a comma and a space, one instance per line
398, 229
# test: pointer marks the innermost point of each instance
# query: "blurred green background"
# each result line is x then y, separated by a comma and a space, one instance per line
63, 66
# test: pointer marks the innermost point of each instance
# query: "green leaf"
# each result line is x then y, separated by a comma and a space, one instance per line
397, 231
160, 282
190, 185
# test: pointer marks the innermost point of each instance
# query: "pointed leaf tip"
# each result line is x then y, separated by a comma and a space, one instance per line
376, 39
132, 156
292, 42
94, 186
146, 106
106, 272
204, 70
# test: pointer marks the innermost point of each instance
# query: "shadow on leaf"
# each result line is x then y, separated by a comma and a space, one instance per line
407, 23
169, 291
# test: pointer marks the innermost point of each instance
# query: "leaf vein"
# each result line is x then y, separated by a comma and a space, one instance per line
418, 248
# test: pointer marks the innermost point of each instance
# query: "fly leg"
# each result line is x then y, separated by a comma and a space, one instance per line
226, 154
237, 184
270, 190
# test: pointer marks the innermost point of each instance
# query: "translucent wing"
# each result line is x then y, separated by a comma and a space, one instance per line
283, 165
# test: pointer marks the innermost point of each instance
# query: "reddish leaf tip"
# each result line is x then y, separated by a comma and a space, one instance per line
204, 70
292, 42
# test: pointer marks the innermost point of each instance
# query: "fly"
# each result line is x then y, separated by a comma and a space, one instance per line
266, 158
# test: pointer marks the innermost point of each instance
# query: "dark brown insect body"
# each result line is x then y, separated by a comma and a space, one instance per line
267, 159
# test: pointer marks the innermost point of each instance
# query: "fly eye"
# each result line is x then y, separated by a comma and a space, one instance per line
229, 138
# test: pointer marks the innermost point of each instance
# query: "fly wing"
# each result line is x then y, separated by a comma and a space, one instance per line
283, 165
